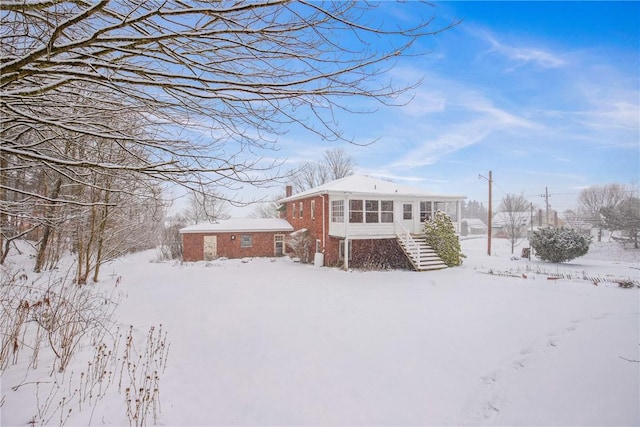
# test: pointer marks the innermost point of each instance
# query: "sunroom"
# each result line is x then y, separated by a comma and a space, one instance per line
370, 216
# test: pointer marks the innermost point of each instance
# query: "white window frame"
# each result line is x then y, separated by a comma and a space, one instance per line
359, 212
407, 215
337, 211
426, 214
386, 216
278, 238
248, 238
372, 211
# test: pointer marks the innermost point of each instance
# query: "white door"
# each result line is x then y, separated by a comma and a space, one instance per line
407, 216
278, 241
210, 247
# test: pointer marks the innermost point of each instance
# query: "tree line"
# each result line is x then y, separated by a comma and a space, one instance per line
614, 207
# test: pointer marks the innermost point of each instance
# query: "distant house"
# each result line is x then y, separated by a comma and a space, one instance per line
360, 221
506, 223
235, 238
474, 226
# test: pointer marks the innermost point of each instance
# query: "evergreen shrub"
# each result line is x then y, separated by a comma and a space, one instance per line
441, 236
559, 244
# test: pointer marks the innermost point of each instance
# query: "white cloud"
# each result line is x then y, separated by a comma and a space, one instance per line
469, 119
425, 103
430, 151
521, 55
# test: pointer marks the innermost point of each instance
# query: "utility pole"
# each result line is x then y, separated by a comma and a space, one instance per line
489, 214
531, 223
546, 196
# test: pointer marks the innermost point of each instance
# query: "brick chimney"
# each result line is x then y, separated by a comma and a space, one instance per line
288, 192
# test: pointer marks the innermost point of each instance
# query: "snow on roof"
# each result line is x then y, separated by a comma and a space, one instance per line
365, 185
474, 222
240, 224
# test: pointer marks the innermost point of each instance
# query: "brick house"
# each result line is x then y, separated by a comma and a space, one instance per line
360, 221
235, 238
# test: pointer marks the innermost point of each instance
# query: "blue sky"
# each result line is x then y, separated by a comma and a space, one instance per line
544, 94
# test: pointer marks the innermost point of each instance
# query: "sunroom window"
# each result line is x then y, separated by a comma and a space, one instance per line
407, 211
371, 211
425, 211
386, 211
355, 211
337, 211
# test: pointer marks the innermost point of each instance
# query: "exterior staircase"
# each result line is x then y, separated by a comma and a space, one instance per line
421, 255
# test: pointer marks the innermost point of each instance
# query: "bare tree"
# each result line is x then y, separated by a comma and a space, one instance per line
266, 210
338, 163
335, 164
97, 94
514, 214
624, 217
593, 199
576, 221
205, 206
225, 67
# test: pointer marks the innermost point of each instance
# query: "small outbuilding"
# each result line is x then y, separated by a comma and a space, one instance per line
235, 238
473, 226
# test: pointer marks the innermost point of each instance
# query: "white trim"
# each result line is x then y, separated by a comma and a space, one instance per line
364, 186
239, 225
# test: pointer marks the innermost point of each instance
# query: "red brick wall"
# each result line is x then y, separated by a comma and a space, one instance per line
263, 245
379, 254
331, 253
192, 247
368, 253
382, 253
314, 225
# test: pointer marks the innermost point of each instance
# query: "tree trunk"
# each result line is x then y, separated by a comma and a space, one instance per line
3, 215
42, 248
101, 229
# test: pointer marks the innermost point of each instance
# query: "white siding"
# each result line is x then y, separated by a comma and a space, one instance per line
381, 230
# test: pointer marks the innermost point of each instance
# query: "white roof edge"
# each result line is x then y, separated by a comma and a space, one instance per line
239, 225
433, 196
366, 186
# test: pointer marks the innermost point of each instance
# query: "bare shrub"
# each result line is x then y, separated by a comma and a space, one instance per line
142, 395
61, 318
15, 312
302, 244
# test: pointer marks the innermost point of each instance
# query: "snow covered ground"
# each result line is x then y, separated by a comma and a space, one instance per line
273, 342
